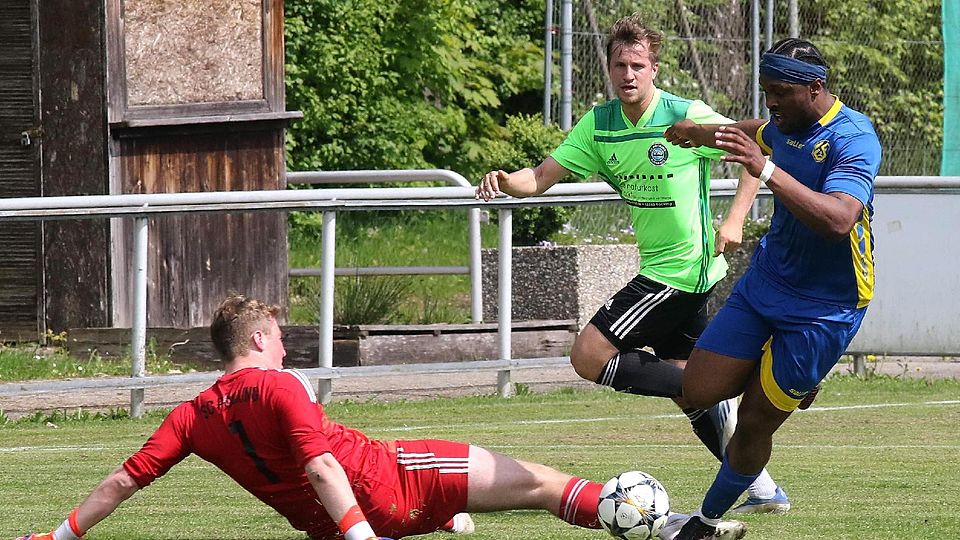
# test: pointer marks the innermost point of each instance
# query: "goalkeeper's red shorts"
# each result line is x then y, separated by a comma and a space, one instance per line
430, 488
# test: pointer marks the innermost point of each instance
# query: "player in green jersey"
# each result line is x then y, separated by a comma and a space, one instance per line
667, 189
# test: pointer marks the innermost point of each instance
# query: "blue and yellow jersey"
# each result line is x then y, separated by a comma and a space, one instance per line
838, 154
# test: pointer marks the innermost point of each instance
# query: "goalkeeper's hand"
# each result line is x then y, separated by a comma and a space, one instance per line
35, 536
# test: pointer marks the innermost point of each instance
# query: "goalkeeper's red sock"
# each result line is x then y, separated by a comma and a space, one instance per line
578, 505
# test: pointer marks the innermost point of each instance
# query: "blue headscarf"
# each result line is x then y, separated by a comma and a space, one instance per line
790, 70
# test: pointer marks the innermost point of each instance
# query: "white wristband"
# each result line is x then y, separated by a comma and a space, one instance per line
767, 171
360, 531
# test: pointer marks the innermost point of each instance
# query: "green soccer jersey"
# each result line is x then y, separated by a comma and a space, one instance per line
667, 187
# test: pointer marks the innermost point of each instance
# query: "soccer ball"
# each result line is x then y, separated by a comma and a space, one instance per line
633, 506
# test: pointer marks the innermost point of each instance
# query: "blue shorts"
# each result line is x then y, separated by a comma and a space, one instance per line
797, 340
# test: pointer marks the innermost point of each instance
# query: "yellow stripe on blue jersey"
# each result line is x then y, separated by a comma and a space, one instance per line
832, 113
861, 246
763, 146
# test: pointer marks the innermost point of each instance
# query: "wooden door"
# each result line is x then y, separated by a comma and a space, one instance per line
20, 277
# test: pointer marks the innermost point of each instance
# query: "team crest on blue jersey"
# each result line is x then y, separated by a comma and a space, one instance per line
820, 150
658, 154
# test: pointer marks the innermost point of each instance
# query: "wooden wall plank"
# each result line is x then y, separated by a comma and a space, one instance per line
76, 262
196, 260
351, 347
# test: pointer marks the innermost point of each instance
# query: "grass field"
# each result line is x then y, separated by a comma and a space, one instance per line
878, 458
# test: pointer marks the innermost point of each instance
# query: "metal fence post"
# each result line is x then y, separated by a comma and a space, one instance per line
327, 269
138, 348
505, 310
859, 365
547, 62
793, 18
768, 25
755, 82
476, 287
566, 64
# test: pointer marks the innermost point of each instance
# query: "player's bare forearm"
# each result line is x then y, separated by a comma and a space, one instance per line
747, 189
688, 134
750, 126
330, 483
525, 182
831, 215
522, 183
105, 498
730, 233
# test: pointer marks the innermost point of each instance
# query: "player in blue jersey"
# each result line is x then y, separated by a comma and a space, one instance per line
796, 309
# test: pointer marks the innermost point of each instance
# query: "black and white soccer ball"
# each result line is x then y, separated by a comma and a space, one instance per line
633, 506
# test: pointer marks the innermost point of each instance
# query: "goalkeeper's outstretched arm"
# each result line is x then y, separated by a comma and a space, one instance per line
333, 489
100, 503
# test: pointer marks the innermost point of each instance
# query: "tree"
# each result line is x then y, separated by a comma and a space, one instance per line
396, 85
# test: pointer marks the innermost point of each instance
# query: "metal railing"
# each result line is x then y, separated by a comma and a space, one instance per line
142, 208
320, 178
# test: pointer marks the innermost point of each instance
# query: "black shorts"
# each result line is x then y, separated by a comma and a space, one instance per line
649, 314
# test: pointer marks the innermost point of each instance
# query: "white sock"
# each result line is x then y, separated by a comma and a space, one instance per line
763, 487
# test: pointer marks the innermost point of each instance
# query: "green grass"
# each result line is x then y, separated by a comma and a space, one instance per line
875, 458
31, 361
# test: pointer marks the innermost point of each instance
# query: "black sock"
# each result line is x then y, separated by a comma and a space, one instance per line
707, 426
639, 372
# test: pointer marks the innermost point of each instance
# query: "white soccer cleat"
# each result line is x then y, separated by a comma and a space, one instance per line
674, 521
463, 524
778, 504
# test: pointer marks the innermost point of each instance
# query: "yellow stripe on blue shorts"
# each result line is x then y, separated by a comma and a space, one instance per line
771, 389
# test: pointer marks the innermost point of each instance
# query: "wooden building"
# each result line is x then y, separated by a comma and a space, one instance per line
139, 96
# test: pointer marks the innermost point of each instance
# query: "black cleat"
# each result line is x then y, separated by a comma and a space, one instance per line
694, 529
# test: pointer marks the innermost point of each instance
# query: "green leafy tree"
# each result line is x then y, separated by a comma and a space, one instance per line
399, 85
886, 60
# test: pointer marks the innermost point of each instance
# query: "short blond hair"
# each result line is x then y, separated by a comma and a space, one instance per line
631, 30
235, 320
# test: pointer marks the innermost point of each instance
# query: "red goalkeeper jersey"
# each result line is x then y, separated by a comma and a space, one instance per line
261, 427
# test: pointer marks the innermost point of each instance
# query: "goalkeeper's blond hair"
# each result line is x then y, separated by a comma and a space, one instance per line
235, 320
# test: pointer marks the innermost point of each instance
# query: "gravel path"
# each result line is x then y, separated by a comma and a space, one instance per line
410, 387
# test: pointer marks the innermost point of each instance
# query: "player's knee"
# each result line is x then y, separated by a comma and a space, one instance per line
586, 366
590, 353
695, 395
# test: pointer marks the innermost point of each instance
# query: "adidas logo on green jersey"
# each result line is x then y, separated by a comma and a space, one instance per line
613, 160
